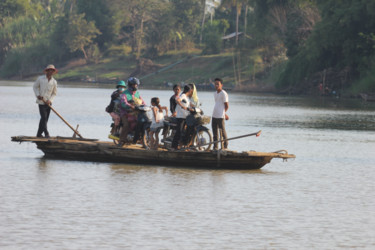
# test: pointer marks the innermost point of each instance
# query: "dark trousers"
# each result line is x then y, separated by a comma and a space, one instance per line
44, 111
218, 123
177, 135
125, 128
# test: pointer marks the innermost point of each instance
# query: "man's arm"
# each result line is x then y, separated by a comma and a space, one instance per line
179, 102
125, 104
36, 88
226, 106
143, 101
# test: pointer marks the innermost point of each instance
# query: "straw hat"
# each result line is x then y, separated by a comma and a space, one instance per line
51, 66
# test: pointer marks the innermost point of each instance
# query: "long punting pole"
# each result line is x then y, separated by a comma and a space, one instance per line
75, 131
233, 138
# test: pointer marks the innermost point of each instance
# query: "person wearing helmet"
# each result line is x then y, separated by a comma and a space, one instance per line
129, 100
114, 106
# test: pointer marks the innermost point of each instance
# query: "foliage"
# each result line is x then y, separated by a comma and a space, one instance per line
336, 42
296, 40
80, 34
13, 8
103, 16
213, 32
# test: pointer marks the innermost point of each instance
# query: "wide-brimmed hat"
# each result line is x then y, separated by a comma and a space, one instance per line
51, 66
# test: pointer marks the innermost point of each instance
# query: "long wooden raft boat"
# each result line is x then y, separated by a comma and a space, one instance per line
101, 151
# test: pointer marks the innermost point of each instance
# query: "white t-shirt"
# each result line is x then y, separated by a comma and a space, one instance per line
219, 108
182, 113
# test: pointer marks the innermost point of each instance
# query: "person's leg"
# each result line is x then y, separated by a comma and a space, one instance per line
151, 135
215, 131
48, 111
44, 114
116, 121
221, 125
187, 138
125, 129
156, 143
41, 121
177, 135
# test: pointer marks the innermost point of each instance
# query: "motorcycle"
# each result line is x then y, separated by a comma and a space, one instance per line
139, 125
194, 130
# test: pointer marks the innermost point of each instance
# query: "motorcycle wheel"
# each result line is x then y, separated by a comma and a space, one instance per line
202, 137
167, 132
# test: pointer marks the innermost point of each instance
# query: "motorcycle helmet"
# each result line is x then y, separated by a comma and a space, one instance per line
133, 81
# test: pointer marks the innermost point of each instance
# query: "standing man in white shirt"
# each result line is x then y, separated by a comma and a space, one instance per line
45, 89
219, 113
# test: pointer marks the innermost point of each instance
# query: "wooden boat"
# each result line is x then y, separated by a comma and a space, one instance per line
101, 151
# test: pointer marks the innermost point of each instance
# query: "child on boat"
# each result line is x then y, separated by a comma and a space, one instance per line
157, 121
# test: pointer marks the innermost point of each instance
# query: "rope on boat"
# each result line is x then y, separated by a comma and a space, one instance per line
282, 151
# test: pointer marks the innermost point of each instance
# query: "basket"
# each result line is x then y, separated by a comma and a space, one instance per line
203, 120
193, 120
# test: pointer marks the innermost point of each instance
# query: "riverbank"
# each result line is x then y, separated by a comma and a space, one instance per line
184, 67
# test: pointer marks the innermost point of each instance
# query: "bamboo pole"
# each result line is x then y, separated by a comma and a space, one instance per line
233, 138
75, 131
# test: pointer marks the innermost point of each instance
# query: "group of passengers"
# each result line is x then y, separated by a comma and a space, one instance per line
126, 98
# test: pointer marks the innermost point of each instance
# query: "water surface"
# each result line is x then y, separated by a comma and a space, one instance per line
324, 199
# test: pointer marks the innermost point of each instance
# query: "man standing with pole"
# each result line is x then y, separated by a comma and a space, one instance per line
45, 89
219, 113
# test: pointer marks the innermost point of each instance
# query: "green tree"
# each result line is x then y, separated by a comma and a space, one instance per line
213, 33
13, 8
80, 33
103, 16
236, 7
187, 16
336, 42
137, 20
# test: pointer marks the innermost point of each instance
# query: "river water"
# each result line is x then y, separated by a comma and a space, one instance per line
324, 199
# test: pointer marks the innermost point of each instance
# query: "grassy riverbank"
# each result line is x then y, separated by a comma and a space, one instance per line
173, 67
182, 67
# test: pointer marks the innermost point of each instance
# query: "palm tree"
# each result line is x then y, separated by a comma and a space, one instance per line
235, 5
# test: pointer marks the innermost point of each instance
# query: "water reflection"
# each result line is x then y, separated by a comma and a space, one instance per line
176, 170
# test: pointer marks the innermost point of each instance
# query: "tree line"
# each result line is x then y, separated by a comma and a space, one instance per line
300, 43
